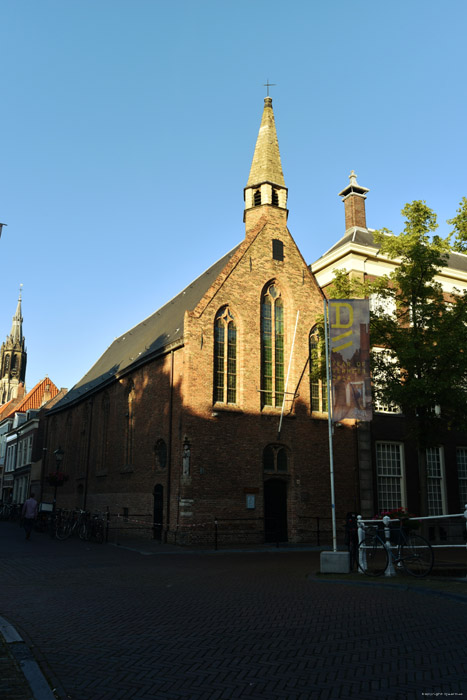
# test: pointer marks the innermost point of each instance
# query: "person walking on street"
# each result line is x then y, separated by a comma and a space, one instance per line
29, 514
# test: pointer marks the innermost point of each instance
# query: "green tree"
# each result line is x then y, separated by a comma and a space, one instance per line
423, 367
459, 223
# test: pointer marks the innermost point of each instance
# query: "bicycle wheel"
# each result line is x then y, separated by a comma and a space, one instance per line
84, 531
63, 531
99, 531
372, 556
417, 556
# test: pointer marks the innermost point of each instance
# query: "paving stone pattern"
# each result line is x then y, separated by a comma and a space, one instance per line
110, 624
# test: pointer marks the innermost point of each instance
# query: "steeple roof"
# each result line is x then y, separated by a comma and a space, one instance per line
16, 334
266, 165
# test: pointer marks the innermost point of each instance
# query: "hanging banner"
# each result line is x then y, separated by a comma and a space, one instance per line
349, 342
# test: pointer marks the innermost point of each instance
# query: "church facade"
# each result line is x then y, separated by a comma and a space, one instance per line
205, 413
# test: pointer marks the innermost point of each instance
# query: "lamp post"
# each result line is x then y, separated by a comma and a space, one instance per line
58, 454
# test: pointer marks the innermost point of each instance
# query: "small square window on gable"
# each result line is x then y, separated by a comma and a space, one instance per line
277, 249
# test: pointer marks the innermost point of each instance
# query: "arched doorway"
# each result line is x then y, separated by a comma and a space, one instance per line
158, 511
275, 510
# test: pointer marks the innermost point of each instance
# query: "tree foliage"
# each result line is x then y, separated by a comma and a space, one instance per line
459, 223
423, 365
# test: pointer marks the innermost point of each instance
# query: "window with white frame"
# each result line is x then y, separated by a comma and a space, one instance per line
435, 481
25, 451
380, 305
390, 475
10, 458
462, 475
379, 405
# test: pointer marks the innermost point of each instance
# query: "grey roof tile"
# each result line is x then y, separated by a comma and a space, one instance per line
147, 339
364, 237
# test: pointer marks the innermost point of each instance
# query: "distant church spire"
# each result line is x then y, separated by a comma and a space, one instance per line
266, 184
13, 357
16, 334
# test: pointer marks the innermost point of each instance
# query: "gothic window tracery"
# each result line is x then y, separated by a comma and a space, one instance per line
318, 387
275, 459
130, 423
272, 347
225, 357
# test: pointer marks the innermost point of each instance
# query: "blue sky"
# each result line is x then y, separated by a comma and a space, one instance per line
128, 129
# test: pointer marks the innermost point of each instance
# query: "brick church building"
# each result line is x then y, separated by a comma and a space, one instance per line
205, 411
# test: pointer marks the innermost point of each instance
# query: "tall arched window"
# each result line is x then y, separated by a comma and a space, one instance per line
275, 459
130, 419
104, 430
225, 357
160, 452
257, 198
272, 347
318, 386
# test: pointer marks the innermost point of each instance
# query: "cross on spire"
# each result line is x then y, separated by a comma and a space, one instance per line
267, 85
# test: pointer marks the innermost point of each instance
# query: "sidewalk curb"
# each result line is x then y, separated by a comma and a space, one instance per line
29, 667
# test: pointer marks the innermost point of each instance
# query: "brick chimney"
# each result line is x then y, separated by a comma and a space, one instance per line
354, 197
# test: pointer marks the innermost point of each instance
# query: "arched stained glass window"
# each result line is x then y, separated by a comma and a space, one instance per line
272, 348
318, 386
225, 357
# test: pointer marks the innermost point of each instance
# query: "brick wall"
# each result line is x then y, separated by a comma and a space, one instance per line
109, 438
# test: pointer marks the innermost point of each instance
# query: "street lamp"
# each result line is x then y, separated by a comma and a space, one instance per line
58, 454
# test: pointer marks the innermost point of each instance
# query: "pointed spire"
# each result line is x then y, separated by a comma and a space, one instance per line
266, 165
13, 358
265, 184
16, 334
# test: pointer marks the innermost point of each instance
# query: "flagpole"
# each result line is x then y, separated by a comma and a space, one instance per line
331, 453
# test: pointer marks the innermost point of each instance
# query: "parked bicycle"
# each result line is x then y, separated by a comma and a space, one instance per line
71, 523
10, 511
412, 553
92, 528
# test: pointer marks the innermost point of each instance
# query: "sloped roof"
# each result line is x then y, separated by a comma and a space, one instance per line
147, 339
7, 408
42, 392
364, 237
359, 236
266, 165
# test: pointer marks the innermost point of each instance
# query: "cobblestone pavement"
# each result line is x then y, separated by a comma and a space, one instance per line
108, 623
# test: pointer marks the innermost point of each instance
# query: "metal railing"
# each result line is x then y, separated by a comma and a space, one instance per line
428, 523
217, 532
